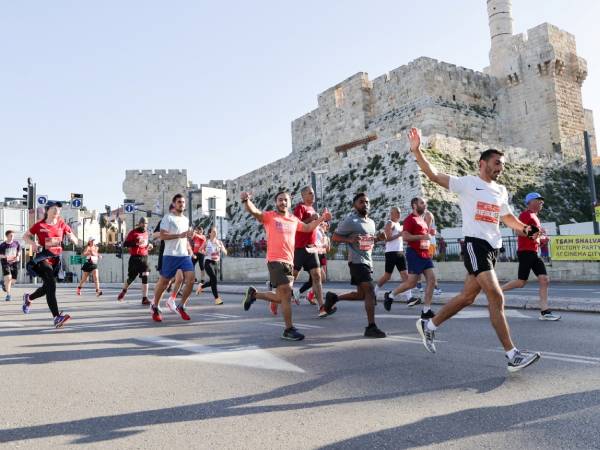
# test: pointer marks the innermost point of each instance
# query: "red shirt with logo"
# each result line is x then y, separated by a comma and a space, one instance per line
525, 243
416, 226
139, 239
197, 242
304, 212
50, 236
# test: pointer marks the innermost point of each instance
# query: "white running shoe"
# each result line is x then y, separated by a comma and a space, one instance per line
171, 304
437, 291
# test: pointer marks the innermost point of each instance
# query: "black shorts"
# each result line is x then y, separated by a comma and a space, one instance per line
138, 265
10, 269
280, 273
360, 273
479, 256
529, 261
394, 259
199, 259
323, 260
89, 267
305, 260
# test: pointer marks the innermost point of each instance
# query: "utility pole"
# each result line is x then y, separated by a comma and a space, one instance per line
590, 171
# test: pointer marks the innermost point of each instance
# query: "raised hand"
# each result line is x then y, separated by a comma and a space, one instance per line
414, 137
326, 215
245, 196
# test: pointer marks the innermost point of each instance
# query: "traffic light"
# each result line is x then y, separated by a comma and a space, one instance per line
29, 196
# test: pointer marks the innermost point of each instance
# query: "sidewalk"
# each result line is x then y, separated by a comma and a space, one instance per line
587, 300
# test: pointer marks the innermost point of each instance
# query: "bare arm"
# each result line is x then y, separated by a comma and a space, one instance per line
29, 240
308, 227
223, 249
432, 173
250, 207
351, 239
414, 237
73, 238
389, 235
511, 221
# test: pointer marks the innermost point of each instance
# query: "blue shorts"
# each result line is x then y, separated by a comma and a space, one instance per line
171, 264
416, 264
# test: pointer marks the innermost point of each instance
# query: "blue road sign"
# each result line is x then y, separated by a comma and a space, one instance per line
129, 208
41, 200
76, 203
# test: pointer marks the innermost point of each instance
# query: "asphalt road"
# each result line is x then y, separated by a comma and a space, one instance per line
113, 378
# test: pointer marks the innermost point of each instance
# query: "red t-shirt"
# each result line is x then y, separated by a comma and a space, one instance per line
303, 212
416, 225
50, 236
281, 232
139, 239
524, 243
198, 241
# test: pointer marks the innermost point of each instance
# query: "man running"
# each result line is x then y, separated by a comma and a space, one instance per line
483, 203
305, 252
175, 232
430, 221
49, 233
527, 253
415, 231
280, 227
10, 256
394, 252
138, 245
90, 267
358, 232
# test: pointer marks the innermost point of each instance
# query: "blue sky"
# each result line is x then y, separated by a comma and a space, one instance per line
90, 89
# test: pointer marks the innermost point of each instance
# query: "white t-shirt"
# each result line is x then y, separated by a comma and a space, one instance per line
173, 224
397, 245
482, 205
213, 250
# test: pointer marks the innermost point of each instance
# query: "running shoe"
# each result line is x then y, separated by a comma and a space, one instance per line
291, 334
427, 315
98, 293
200, 290
414, 301
310, 297
156, 314
60, 320
121, 295
78, 291
428, 336
26, 303
8, 298
296, 296
322, 311
273, 308
145, 301
437, 291
171, 304
549, 315
182, 312
218, 301
373, 332
522, 359
330, 300
249, 298
387, 301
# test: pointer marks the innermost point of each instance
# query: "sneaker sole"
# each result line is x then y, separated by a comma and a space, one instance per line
291, 339
375, 337
554, 319
411, 304
244, 300
517, 368
422, 334
60, 325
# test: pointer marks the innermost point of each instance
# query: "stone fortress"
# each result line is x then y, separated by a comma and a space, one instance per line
528, 103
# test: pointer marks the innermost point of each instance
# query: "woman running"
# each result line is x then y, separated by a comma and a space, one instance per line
214, 248
91, 266
46, 263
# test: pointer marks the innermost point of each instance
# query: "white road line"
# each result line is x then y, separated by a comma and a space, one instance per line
567, 355
12, 324
563, 357
247, 356
297, 325
217, 315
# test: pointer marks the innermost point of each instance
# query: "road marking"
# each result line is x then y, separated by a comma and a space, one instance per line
413, 340
12, 324
217, 315
564, 357
297, 325
246, 356
473, 314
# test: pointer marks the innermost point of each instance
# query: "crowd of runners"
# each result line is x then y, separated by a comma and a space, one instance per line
298, 241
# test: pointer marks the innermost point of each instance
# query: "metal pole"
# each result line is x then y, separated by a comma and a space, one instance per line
122, 249
189, 205
221, 239
313, 182
83, 231
590, 171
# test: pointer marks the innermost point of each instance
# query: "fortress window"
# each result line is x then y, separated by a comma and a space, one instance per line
339, 97
453, 97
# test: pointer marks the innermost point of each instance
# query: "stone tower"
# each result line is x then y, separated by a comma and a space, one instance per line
540, 77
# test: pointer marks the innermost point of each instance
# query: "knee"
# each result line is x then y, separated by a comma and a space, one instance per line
316, 275
521, 283
544, 280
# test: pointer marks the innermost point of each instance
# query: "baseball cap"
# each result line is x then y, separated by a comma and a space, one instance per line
51, 203
532, 196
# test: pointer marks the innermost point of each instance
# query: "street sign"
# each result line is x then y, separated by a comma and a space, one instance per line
41, 200
129, 206
77, 259
76, 200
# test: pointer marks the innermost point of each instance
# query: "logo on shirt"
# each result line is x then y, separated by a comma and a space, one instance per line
487, 212
283, 227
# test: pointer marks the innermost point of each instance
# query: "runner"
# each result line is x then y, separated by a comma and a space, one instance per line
175, 232
394, 253
10, 256
305, 251
430, 220
46, 263
323, 245
415, 232
137, 242
358, 232
527, 253
214, 248
198, 244
280, 227
91, 266
483, 203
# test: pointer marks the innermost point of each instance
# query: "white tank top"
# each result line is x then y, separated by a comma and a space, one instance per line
397, 245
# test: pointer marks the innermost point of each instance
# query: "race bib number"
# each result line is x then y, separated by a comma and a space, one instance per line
365, 243
487, 212
93, 259
215, 256
424, 244
142, 242
52, 244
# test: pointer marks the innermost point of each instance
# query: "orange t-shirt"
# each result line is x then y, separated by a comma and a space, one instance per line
281, 236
